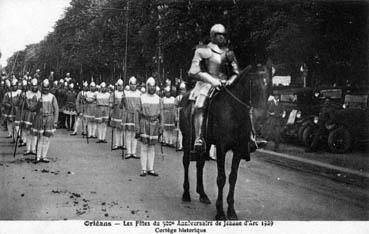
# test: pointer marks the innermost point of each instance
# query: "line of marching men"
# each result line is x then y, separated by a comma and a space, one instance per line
31, 111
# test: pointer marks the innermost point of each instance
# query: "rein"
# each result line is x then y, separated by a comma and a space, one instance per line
236, 98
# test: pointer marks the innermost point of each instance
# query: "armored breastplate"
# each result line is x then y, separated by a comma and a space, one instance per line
213, 65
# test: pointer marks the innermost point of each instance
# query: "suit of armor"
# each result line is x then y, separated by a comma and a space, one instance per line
210, 64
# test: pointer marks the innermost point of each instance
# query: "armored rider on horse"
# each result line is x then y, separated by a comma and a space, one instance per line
213, 65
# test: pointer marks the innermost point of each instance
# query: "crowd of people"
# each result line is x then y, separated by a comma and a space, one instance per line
32, 109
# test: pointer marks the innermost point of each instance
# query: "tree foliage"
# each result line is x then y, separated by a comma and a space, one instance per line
89, 40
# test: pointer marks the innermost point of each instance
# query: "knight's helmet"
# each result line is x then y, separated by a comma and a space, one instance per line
217, 28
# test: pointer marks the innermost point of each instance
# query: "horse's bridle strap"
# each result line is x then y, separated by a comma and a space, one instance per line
236, 98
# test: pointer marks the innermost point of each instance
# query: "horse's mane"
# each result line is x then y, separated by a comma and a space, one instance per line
251, 81
246, 74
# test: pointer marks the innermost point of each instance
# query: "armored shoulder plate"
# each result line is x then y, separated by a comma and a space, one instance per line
204, 52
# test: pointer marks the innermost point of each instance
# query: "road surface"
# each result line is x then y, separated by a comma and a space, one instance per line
88, 181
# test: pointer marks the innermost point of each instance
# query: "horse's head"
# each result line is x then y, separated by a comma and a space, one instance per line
251, 85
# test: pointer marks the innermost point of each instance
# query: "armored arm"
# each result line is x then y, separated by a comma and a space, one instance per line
232, 67
197, 71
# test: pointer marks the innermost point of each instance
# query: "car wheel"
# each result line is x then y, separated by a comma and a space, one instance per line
308, 135
339, 140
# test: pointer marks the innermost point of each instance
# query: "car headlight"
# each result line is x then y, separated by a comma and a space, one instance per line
284, 114
298, 114
316, 118
344, 106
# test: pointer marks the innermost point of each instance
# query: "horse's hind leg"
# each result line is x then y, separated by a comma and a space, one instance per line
221, 179
186, 185
231, 213
200, 185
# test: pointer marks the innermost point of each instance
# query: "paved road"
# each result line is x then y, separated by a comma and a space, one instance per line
91, 182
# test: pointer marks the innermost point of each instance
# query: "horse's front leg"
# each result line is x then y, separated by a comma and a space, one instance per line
186, 185
231, 213
221, 179
200, 185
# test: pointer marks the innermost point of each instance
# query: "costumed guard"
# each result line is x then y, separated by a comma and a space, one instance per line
20, 116
91, 111
130, 117
102, 112
150, 127
81, 108
32, 98
169, 115
116, 115
70, 107
61, 96
45, 122
10, 98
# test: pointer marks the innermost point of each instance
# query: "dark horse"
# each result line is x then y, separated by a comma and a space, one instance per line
228, 129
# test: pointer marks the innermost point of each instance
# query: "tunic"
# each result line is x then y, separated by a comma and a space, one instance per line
47, 115
19, 107
150, 118
91, 106
70, 105
81, 106
132, 107
31, 102
102, 107
61, 95
117, 111
9, 101
169, 113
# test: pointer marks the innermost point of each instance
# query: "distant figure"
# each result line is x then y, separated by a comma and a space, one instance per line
326, 113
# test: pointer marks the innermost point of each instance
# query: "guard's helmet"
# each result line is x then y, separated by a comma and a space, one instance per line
132, 80
120, 82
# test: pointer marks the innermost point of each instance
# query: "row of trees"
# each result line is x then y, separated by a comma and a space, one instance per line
158, 37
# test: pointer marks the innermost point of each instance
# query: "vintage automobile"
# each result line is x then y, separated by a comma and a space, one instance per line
297, 104
308, 127
349, 124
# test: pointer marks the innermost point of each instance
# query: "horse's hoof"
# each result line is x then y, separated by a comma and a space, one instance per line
186, 197
220, 217
204, 199
231, 215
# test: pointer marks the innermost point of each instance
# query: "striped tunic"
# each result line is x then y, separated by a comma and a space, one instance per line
46, 117
117, 111
132, 107
31, 99
20, 114
150, 118
102, 107
91, 106
9, 103
169, 113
